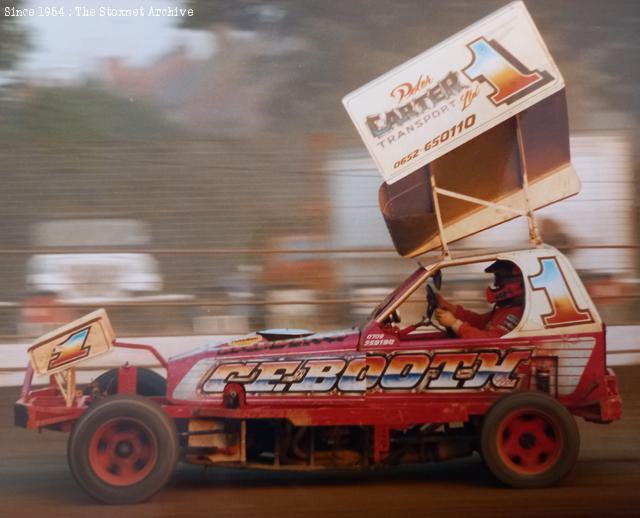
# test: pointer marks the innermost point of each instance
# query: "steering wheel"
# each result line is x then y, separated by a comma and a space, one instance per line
432, 303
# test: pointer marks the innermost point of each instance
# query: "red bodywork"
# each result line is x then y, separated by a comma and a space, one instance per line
371, 376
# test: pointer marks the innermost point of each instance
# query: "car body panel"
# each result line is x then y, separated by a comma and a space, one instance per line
376, 368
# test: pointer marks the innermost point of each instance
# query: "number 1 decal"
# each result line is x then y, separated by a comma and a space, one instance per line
73, 348
509, 78
564, 310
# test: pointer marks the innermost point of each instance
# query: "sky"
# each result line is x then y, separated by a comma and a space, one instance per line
71, 47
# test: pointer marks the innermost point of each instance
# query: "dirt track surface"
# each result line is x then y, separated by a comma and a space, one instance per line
35, 481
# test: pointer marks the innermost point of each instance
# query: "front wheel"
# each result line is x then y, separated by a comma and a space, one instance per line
529, 440
123, 449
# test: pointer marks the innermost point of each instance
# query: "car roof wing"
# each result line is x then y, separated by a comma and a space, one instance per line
468, 135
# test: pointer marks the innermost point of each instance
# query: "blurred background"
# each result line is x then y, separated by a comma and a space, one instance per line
199, 175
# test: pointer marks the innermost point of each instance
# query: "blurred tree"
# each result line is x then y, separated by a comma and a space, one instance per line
13, 36
67, 114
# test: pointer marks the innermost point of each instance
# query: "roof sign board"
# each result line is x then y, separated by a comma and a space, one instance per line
454, 92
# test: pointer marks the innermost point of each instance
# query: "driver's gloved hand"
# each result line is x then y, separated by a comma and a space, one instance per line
446, 318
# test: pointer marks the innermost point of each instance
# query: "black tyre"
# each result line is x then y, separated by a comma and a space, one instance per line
149, 383
529, 440
123, 449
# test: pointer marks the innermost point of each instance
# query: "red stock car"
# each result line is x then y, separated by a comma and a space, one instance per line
361, 398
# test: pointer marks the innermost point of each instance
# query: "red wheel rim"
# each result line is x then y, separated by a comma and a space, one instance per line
529, 441
123, 451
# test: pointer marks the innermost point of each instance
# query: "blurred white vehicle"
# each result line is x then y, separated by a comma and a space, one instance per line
88, 275
80, 272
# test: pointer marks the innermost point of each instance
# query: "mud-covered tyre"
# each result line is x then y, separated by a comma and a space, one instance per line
529, 440
149, 383
123, 449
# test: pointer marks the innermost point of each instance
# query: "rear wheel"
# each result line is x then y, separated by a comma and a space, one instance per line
123, 449
529, 440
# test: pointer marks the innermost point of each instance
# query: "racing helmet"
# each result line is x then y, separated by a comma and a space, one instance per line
508, 282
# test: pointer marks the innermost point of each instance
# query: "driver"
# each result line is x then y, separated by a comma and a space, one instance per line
507, 296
